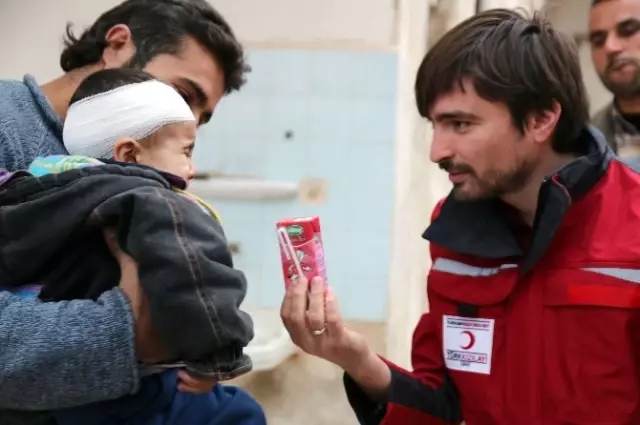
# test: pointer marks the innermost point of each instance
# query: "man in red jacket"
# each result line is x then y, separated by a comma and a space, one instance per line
534, 291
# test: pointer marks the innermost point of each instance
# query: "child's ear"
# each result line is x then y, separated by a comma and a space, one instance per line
126, 150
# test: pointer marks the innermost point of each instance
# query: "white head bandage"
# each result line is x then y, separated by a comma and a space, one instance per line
94, 125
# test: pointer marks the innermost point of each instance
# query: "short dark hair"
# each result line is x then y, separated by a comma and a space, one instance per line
108, 79
157, 27
511, 58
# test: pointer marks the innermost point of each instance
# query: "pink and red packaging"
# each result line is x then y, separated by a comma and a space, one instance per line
301, 249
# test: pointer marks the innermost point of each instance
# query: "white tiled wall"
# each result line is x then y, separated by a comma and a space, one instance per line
338, 109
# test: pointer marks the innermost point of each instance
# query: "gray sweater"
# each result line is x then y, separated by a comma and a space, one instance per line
55, 355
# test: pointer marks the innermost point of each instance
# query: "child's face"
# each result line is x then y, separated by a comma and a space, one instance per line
169, 149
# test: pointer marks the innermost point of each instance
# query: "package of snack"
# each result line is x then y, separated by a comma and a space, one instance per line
301, 249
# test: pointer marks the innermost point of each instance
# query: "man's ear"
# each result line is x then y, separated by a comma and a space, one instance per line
120, 47
542, 125
126, 150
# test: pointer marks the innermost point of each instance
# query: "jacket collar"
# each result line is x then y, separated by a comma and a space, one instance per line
15, 187
172, 179
480, 228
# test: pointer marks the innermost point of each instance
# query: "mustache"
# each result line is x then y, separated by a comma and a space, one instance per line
617, 61
451, 167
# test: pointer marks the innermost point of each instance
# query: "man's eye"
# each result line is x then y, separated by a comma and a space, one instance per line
461, 126
597, 40
628, 29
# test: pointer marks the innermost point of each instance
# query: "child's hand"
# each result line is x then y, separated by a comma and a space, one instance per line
191, 384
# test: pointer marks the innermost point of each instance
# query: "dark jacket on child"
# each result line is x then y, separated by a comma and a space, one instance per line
51, 233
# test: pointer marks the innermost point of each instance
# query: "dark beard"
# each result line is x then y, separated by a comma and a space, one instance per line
497, 184
627, 90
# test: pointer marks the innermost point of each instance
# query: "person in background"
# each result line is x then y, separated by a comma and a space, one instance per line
191, 47
614, 35
533, 294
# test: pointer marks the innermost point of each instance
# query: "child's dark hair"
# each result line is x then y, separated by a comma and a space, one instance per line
108, 79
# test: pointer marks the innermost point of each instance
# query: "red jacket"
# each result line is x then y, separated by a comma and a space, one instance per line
529, 329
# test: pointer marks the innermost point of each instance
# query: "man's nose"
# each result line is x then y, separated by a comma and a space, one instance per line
441, 149
613, 45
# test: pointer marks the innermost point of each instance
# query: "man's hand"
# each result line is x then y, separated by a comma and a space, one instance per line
319, 330
149, 348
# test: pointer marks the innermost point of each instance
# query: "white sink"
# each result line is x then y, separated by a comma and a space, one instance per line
271, 345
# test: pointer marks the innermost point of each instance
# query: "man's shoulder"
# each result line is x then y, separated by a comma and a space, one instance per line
15, 96
28, 125
10, 86
17, 106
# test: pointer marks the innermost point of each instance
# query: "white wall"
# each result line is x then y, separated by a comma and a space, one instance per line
31, 30
529, 5
31, 33
572, 16
335, 22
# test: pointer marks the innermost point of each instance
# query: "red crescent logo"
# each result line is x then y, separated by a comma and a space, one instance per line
472, 340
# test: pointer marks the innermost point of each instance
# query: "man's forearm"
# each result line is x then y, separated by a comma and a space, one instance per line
64, 354
373, 385
372, 375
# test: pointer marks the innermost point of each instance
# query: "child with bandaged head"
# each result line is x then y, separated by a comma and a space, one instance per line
99, 125
124, 115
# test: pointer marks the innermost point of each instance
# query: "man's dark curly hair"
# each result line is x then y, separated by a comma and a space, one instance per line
157, 27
